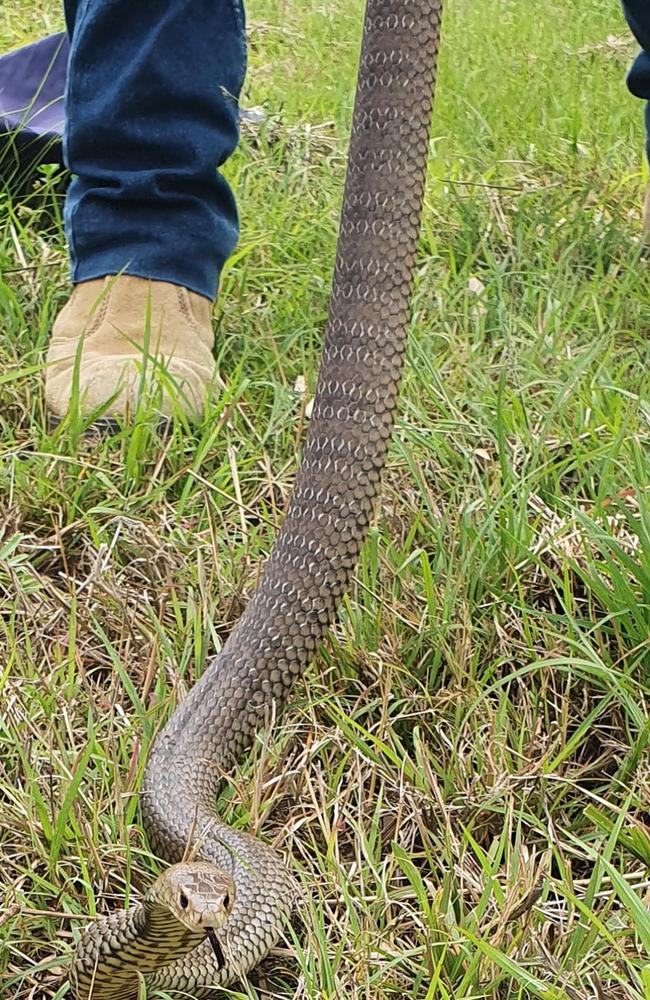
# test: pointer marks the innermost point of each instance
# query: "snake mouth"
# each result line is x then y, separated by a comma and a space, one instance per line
216, 947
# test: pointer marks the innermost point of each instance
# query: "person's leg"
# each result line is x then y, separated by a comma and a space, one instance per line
637, 14
151, 111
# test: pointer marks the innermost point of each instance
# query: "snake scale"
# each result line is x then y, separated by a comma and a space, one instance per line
311, 563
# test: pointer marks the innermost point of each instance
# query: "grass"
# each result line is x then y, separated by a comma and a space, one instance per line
463, 783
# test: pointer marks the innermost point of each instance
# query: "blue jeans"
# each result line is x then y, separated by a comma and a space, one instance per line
637, 13
151, 111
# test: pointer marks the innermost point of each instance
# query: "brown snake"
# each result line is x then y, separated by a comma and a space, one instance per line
310, 566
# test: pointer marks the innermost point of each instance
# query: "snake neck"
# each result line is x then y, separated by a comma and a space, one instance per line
126, 942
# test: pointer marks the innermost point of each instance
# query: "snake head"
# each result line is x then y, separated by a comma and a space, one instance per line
197, 894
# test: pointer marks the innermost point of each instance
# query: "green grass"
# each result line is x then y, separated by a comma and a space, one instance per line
463, 784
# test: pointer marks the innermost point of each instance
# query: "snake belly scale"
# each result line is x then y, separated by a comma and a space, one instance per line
315, 554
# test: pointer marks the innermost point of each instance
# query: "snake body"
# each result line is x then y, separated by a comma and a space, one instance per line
317, 549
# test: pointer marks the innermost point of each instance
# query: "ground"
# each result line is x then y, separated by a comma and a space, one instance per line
462, 784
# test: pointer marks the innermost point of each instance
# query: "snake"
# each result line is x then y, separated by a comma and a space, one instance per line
223, 903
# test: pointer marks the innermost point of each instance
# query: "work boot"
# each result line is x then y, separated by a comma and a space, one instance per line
126, 334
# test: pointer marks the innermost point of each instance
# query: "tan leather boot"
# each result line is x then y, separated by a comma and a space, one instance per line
124, 325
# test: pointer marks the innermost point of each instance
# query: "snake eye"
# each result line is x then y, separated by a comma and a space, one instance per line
184, 901
226, 901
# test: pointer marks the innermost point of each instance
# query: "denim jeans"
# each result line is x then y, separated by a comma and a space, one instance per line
151, 111
637, 13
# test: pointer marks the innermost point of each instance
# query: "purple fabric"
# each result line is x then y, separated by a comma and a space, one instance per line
32, 83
